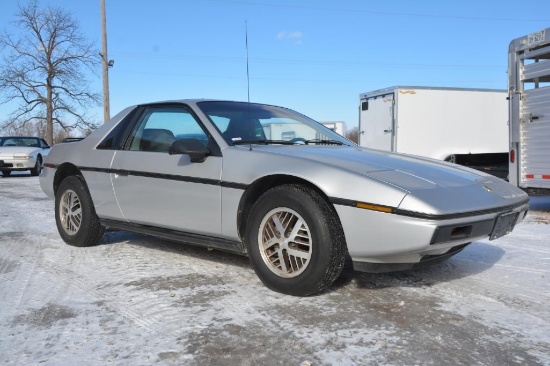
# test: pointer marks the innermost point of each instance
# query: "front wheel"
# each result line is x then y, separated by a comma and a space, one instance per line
295, 241
6, 173
75, 215
37, 167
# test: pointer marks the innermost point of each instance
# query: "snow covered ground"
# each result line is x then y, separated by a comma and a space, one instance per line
139, 300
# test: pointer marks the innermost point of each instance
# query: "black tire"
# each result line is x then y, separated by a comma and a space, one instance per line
37, 167
6, 173
75, 215
316, 234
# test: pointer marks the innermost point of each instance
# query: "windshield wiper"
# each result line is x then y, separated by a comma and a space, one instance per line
265, 142
323, 142
298, 141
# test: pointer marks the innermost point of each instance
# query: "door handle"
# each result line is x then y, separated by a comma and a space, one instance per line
121, 173
388, 131
533, 118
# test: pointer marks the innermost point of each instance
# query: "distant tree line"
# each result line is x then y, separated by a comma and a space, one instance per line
38, 128
353, 134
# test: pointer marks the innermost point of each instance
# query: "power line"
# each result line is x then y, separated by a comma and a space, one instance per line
385, 13
267, 60
278, 78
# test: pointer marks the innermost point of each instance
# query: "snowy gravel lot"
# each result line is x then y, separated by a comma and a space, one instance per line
136, 300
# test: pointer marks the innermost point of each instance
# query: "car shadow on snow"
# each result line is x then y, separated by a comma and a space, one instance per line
476, 258
115, 237
15, 175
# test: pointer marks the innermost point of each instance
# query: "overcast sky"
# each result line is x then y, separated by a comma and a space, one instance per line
312, 56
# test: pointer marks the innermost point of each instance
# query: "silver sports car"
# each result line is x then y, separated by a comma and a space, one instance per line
19, 153
270, 183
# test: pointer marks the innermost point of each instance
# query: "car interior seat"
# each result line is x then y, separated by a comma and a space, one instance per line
156, 139
244, 129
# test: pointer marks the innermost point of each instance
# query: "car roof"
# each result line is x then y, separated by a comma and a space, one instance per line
195, 101
183, 101
20, 137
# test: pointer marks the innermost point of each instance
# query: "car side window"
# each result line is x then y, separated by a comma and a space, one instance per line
159, 127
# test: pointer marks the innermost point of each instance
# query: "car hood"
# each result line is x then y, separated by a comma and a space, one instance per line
414, 172
8, 151
431, 186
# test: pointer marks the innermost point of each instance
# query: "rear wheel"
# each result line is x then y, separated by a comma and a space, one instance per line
75, 215
6, 173
295, 241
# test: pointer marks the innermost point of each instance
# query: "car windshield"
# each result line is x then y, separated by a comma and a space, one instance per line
244, 123
19, 141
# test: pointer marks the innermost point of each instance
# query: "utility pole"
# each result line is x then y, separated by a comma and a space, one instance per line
105, 63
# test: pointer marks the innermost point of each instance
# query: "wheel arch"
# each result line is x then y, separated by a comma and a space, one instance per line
263, 184
63, 171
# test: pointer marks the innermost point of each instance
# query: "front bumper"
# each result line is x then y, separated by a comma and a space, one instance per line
383, 242
15, 164
426, 260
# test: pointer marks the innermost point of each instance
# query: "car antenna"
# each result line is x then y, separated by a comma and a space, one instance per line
247, 70
248, 82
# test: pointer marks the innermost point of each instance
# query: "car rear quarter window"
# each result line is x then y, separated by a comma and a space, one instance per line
118, 135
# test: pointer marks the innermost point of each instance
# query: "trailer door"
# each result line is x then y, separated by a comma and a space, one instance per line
376, 122
530, 112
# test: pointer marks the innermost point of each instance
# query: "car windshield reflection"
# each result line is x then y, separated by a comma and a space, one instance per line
19, 141
244, 123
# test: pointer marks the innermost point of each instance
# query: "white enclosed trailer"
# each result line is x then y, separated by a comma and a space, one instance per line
529, 89
337, 126
464, 126
286, 131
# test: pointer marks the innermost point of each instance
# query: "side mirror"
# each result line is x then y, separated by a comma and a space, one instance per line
192, 147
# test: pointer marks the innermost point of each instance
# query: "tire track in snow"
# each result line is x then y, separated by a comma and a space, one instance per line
141, 273
163, 278
16, 289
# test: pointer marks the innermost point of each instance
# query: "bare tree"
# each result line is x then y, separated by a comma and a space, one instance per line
353, 134
43, 70
31, 128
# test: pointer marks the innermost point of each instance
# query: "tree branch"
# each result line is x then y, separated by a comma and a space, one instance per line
44, 69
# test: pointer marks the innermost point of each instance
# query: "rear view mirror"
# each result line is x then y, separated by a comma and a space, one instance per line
192, 147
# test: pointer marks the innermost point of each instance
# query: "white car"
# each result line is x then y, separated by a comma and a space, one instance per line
18, 153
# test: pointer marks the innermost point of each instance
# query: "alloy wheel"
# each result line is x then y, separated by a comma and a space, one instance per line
70, 212
285, 243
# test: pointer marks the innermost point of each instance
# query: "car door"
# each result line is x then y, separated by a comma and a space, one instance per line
157, 189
